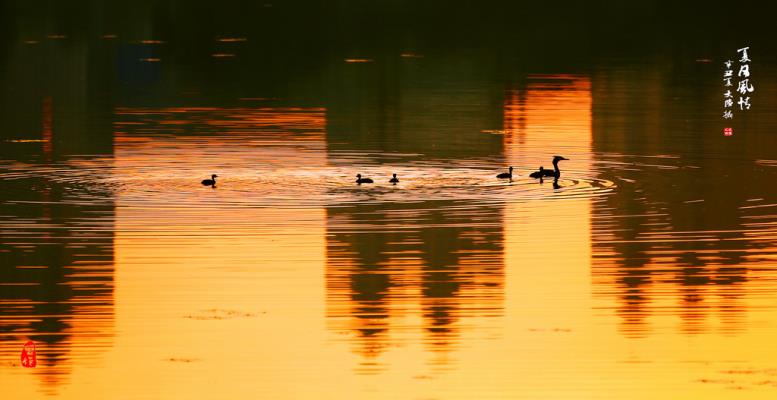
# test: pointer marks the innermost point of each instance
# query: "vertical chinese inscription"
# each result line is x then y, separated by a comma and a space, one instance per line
744, 85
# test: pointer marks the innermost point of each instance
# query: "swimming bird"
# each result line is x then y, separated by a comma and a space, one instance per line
506, 175
546, 172
539, 173
394, 180
211, 181
361, 180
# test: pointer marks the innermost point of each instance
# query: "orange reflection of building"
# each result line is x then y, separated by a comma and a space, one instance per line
47, 127
547, 115
57, 279
547, 249
420, 278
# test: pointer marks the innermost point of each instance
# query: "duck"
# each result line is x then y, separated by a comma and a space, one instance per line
361, 180
211, 181
506, 175
538, 173
394, 180
542, 172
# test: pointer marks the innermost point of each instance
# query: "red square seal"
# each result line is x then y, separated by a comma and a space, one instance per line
29, 358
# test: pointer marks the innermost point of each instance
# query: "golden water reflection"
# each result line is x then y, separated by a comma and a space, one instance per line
289, 281
57, 279
680, 246
394, 270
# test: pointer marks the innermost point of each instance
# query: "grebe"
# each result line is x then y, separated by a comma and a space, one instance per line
361, 180
546, 172
539, 173
506, 175
211, 181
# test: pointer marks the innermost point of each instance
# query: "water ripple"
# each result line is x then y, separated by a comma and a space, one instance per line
167, 186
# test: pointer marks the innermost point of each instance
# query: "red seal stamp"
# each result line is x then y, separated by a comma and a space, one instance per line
29, 358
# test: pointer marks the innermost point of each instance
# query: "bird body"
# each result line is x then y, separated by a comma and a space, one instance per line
540, 173
506, 175
394, 179
361, 180
555, 172
211, 181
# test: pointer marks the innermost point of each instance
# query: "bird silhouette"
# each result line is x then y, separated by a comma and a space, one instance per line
506, 175
361, 180
555, 173
210, 182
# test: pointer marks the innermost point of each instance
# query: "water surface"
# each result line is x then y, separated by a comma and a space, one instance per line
648, 272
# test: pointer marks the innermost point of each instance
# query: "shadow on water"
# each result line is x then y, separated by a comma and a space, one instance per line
677, 232
388, 264
56, 280
405, 106
56, 252
287, 100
